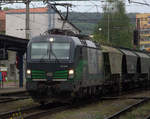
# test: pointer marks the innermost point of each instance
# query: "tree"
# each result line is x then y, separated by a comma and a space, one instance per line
7, 8
114, 27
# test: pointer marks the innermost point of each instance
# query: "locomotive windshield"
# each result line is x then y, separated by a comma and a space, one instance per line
39, 50
50, 51
61, 50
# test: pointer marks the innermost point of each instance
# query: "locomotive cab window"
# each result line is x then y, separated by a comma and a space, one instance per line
39, 50
60, 51
50, 51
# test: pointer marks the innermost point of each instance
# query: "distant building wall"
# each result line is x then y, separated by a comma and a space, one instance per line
144, 28
39, 23
15, 25
144, 20
2, 21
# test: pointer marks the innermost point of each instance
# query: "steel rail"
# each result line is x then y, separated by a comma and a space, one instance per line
11, 99
19, 93
148, 117
34, 112
46, 112
127, 109
6, 115
114, 98
59, 108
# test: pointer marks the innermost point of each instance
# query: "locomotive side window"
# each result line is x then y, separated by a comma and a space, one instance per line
60, 51
39, 50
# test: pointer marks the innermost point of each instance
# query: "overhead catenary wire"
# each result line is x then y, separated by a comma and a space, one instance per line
81, 19
140, 3
77, 6
83, 14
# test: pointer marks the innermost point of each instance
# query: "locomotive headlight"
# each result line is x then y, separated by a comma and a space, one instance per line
71, 72
28, 71
51, 39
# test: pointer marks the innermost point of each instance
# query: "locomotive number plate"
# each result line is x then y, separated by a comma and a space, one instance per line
59, 79
38, 79
50, 74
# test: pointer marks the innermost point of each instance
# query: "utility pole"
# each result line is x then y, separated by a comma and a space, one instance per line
108, 28
52, 17
108, 10
27, 28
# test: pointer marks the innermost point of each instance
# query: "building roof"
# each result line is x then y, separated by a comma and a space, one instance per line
141, 14
13, 43
33, 10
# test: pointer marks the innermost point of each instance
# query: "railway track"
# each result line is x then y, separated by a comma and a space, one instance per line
34, 112
115, 98
128, 109
5, 99
10, 114
59, 108
148, 117
41, 111
46, 112
19, 93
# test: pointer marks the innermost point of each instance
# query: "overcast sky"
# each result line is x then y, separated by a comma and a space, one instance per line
90, 6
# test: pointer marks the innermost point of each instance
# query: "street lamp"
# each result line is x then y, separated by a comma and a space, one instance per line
99, 29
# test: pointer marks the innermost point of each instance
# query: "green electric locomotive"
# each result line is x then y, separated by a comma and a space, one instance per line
61, 66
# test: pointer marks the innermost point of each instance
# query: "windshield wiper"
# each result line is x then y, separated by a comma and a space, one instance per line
43, 56
55, 56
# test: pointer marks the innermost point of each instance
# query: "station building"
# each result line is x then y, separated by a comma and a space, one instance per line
143, 25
